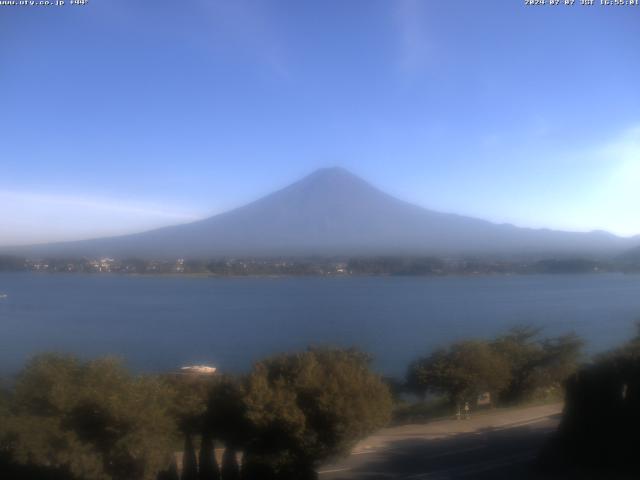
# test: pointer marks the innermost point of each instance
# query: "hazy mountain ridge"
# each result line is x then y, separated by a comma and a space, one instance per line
631, 256
333, 212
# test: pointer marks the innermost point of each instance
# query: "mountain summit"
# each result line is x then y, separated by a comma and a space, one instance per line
334, 212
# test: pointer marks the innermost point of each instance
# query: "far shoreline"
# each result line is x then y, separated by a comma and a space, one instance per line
328, 276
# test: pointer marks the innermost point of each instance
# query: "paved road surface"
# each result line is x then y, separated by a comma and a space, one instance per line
497, 445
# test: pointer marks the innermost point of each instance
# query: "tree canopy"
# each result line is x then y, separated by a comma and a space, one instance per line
92, 419
462, 372
309, 406
536, 363
600, 423
511, 367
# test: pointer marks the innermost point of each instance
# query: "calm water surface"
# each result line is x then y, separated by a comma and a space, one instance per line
159, 323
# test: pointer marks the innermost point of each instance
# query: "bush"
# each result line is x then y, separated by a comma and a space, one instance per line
536, 364
91, 419
512, 368
307, 407
462, 372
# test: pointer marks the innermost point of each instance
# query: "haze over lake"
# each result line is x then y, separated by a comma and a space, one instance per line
160, 323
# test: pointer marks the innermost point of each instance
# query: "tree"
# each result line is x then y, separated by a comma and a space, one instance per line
92, 419
601, 419
535, 363
190, 393
524, 355
5, 401
629, 350
169, 474
230, 467
225, 418
462, 372
189, 460
306, 407
562, 356
512, 367
191, 396
12, 264
208, 465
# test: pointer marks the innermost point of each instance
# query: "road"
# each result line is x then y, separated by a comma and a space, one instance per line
498, 445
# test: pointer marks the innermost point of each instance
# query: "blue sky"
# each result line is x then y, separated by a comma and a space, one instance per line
120, 116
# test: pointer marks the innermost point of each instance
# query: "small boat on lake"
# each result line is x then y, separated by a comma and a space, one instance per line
3, 295
199, 369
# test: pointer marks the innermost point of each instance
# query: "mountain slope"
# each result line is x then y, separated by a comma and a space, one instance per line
333, 212
630, 257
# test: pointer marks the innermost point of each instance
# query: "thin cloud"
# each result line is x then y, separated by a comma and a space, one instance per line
115, 206
30, 217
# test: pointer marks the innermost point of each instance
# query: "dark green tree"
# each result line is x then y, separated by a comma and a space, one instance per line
191, 396
189, 409
208, 465
230, 467
524, 355
461, 372
189, 460
226, 421
92, 419
226, 418
306, 407
536, 364
599, 427
170, 473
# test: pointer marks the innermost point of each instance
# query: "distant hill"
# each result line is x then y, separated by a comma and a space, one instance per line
630, 258
333, 212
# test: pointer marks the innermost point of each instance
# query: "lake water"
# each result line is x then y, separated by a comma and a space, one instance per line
160, 323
